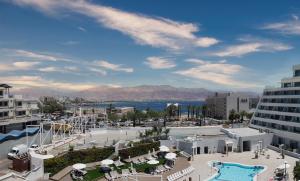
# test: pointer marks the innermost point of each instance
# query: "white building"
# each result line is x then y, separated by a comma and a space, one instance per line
220, 140
16, 112
220, 104
279, 112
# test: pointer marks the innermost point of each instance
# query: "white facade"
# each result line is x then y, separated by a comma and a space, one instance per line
15, 110
279, 112
220, 105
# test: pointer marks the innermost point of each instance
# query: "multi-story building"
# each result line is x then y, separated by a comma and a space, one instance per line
279, 112
220, 104
16, 112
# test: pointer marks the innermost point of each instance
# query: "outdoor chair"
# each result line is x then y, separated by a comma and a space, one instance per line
107, 176
133, 171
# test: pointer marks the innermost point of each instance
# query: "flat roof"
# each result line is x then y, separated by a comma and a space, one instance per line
244, 132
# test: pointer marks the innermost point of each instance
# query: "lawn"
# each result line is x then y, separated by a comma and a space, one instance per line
93, 175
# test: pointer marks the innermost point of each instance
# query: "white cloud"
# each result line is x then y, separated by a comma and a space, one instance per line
81, 28
159, 63
69, 43
50, 69
34, 55
99, 71
66, 69
21, 65
114, 67
145, 30
37, 81
289, 27
219, 73
251, 45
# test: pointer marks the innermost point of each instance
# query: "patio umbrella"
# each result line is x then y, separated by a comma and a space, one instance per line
164, 149
149, 155
170, 156
107, 162
153, 162
153, 151
79, 166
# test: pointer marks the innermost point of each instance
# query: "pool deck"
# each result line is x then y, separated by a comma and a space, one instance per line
200, 163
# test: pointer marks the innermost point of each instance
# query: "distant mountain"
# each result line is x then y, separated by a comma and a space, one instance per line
138, 93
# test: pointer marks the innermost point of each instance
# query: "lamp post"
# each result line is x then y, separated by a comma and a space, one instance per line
285, 163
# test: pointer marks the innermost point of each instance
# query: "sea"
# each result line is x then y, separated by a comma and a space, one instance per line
153, 105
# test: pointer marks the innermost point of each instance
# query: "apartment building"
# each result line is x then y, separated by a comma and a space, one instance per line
16, 112
279, 112
220, 104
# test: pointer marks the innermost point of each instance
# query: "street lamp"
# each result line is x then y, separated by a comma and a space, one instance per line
285, 163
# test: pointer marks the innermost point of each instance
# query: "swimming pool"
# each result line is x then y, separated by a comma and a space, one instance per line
235, 172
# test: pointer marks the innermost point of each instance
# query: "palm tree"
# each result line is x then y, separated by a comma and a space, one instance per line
232, 116
188, 109
204, 111
167, 131
243, 114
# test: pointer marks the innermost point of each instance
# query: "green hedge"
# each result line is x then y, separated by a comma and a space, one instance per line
138, 149
56, 164
297, 171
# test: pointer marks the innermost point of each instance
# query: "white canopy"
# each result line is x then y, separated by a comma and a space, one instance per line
170, 156
79, 166
153, 162
283, 166
107, 162
164, 149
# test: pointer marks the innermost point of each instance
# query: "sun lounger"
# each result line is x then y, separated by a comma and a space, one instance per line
133, 171
114, 174
135, 161
142, 160
125, 172
167, 167
107, 176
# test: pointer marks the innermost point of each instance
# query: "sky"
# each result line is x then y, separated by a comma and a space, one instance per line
80, 44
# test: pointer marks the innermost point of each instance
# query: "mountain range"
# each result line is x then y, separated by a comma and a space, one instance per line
137, 93
107, 93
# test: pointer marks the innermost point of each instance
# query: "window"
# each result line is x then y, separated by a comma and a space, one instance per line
1, 93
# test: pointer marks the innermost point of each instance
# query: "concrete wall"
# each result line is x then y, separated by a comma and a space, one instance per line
266, 140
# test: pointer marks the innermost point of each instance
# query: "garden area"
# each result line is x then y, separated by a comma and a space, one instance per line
54, 165
297, 171
96, 174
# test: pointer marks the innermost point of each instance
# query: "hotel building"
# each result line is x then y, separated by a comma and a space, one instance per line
279, 112
16, 112
220, 104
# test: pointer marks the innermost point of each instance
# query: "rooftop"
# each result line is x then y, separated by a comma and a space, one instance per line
244, 132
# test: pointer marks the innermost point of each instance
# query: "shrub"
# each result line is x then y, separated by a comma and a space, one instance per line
297, 171
56, 164
138, 149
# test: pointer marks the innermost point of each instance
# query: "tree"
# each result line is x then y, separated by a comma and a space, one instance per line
243, 114
166, 132
50, 105
189, 110
232, 116
203, 111
113, 117
297, 171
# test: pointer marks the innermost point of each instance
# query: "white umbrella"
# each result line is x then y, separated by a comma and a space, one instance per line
153, 162
283, 166
170, 156
107, 162
79, 166
164, 149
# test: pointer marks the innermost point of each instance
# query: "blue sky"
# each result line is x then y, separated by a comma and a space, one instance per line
218, 45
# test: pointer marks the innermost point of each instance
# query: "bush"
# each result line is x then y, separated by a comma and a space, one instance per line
138, 149
297, 171
56, 164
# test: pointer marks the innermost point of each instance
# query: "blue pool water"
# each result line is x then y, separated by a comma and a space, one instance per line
236, 172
